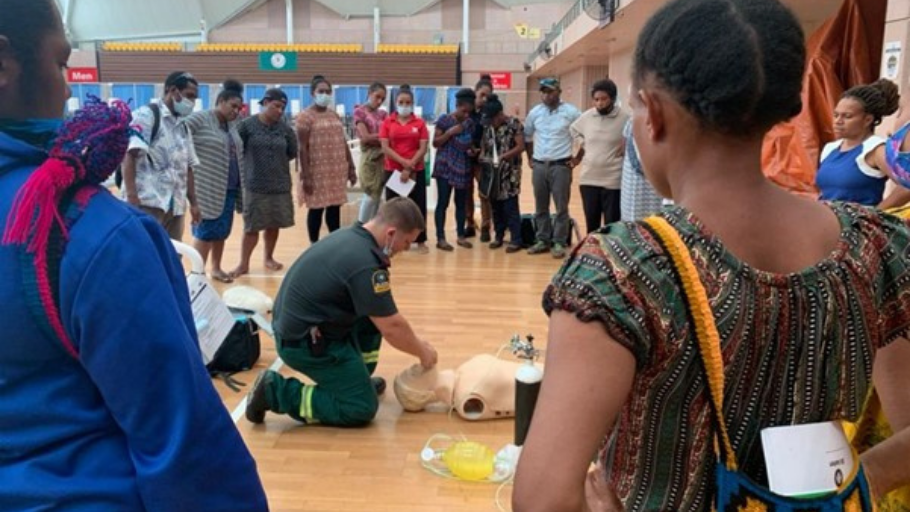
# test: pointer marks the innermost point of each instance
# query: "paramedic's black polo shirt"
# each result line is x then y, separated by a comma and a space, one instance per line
337, 281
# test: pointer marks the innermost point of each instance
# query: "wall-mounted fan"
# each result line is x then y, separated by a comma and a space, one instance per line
544, 50
600, 10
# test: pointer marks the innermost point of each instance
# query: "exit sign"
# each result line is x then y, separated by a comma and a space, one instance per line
501, 80
81, 75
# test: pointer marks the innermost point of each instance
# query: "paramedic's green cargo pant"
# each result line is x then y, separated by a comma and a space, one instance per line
343, 394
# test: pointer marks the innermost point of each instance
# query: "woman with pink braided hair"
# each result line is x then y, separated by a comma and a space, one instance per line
104, 401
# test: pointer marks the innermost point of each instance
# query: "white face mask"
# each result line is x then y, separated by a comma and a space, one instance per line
184, 107
323, 99
405, 110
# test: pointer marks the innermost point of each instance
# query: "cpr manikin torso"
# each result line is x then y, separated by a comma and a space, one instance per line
482, 388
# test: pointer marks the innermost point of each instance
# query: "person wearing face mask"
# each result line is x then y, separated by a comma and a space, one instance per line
329, 323
269, 145
218, 176
368, 119
158, 174
325, 160
105, 403
404, 138
598, 134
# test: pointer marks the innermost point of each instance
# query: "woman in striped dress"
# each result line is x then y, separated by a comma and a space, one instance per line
218, 175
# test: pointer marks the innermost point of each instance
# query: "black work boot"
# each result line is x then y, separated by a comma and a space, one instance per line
378, 385
257, 401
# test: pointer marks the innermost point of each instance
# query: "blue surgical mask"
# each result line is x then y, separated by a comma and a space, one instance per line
405, 110
323, 99
37, 132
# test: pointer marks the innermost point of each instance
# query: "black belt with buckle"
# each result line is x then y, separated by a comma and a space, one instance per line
561, 161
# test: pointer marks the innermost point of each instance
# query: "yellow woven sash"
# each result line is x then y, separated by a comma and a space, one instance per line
703, 320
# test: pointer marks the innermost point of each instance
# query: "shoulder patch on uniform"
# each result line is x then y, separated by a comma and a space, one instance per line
381, 283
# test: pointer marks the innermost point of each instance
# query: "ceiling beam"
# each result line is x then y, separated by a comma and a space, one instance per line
240, 8
388, 7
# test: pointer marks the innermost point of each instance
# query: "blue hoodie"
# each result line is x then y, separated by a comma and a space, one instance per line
134, 423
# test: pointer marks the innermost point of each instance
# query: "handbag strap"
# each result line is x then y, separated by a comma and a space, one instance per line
700, 315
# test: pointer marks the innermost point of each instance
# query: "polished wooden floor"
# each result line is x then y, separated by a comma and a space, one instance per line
466, 302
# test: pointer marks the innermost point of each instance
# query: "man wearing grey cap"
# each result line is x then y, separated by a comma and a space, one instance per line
549, 146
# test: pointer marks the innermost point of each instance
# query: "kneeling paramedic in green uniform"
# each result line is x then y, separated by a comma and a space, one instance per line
333, 309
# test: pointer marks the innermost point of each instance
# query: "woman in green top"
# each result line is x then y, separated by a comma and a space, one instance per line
808, 297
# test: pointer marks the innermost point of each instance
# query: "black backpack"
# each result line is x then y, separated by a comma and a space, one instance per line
239, 352
156, 127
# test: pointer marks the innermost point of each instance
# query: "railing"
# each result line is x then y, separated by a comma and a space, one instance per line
278, 47
417, 48
573, 13
112, 46
116, 46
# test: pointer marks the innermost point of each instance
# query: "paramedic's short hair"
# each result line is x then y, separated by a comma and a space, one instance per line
402, 213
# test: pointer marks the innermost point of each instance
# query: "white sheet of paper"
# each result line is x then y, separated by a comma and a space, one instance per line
807, 459
396, 185
214, 320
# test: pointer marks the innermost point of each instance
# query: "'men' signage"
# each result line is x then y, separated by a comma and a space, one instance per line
81, 75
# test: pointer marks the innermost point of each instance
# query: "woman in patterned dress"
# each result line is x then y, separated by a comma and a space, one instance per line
368, 120
325, 160
502, 144
269, 145
808, 297
452, 170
